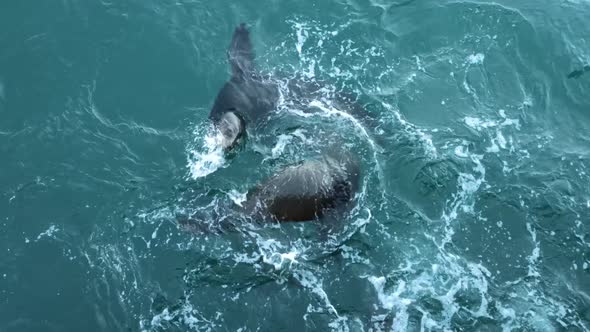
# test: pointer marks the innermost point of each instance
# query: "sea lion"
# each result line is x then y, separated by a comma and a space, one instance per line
302, 192
306, 191
246, 97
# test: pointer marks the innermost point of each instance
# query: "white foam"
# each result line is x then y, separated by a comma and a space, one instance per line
481, 274
493, 148
528, 101
302, 35
508, 317
300, 133
534, 257
311, 282
237, 197
272, 252
478, 124
329, 111
499, 142
353, 255
310, 72
244, 258
277, 259
48, 233
209, 157
511, 122
500, 139
394, 302
463, 200
282, 142
185, 315
475, 59
155, 232
461, 151
419, 64
412, 129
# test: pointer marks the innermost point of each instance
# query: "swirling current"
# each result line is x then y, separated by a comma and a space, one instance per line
474, 207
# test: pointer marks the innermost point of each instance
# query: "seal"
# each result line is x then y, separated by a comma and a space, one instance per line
303, 192
306, 191
246, 97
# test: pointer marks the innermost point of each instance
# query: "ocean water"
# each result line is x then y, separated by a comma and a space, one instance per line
474, 208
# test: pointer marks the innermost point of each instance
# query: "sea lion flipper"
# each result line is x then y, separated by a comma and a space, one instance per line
240, 54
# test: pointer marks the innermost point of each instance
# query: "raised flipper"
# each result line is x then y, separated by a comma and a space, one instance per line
240, 54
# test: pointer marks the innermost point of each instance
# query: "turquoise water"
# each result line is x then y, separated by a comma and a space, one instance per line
474, 212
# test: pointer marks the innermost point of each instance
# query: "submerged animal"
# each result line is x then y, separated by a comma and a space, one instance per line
579, 72
302, 192
306, 191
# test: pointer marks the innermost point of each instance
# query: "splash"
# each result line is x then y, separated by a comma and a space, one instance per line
50, 233
330, 111
476, 59
237, 197
208, 157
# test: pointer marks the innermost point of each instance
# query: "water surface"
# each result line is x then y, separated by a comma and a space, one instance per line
475, 205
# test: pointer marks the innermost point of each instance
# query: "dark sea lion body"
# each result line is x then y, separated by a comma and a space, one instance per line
246, 95
303, 192
306, 191
249, 98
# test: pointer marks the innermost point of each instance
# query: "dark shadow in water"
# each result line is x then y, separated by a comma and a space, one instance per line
579, 72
